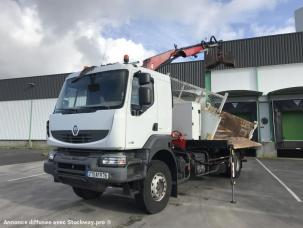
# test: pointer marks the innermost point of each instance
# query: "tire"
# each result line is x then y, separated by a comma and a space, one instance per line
86, 194
151, 198
238, 166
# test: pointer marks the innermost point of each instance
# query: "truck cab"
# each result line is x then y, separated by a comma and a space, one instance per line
109, 123
102, 109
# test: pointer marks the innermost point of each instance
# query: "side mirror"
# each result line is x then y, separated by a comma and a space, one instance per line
145, 96
144, 78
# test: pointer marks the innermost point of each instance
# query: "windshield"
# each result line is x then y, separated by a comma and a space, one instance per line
104, 90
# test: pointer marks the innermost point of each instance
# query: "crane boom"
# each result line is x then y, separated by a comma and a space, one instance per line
155, 62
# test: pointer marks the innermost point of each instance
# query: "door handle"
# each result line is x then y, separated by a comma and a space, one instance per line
155, 127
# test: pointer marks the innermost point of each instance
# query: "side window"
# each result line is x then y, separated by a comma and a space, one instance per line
136, 109
135, 92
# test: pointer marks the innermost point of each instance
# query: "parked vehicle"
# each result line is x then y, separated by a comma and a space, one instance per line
132, 127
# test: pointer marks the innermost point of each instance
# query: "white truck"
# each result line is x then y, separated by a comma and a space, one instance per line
127, 126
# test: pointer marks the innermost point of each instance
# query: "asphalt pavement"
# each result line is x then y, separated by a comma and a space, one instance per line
18, 155
28, 195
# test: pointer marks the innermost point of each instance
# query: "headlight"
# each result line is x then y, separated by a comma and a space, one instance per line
118, 160
51, 155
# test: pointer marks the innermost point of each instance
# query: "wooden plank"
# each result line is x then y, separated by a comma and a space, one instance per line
242, 143
237, 131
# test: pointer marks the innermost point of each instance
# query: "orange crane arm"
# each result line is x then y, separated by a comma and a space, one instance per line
155, 62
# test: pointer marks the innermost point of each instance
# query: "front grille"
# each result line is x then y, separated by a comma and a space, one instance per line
84, 136
71, 173
71, 169
71, 166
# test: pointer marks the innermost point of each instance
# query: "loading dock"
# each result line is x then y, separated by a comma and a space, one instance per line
288, 121
292, 125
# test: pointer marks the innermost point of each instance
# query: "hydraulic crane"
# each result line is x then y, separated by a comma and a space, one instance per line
212, 58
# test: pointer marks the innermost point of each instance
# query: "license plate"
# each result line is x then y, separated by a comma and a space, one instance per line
100, 175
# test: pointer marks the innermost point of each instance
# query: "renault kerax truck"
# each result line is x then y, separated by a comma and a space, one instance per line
122, 125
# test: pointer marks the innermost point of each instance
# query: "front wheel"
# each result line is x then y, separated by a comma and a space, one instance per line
155, 188
86, 194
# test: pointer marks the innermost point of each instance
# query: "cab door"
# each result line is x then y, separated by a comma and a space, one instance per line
142, 120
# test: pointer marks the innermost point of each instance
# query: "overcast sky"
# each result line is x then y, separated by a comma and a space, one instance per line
53, 36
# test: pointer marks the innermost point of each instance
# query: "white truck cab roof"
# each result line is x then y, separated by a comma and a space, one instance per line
121, 66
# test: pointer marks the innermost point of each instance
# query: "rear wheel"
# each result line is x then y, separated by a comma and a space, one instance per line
86, 194
155, 188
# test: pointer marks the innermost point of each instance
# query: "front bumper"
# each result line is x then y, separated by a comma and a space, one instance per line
72, 169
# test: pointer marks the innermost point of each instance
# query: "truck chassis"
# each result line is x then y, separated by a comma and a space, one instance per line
151, 176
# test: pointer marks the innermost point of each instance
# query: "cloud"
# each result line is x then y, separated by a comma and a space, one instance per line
206, 17
31, 46
263, 30
54, 36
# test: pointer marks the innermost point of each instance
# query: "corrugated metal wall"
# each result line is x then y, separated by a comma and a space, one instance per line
191, 72
47, 86
41, 110
15, 119
267, 50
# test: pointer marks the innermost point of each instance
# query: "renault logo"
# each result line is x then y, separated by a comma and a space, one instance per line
75, 130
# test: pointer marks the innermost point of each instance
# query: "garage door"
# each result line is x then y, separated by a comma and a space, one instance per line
246, 116
292, 125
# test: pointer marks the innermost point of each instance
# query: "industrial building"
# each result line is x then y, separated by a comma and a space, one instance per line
269, 78
266, 85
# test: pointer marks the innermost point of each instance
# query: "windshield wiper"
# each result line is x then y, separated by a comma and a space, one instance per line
69, 110
96, 107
